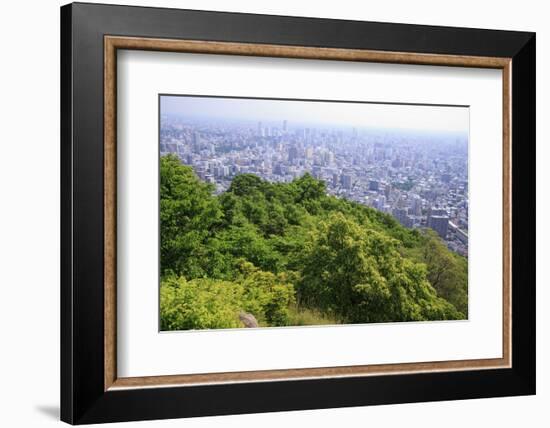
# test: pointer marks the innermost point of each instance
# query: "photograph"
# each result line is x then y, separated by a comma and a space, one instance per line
286, 213
260, 211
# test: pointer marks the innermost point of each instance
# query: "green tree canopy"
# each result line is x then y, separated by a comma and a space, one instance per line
359, 275
209, 304
270, 248
188, 214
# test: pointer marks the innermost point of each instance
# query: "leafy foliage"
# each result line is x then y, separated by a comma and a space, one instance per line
447, 271
358, 274
209, 303
291, 254
188, 214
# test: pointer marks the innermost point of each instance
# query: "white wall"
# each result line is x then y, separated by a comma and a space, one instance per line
29, 215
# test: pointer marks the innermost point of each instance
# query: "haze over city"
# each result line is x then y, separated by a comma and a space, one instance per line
410, 161
448, 119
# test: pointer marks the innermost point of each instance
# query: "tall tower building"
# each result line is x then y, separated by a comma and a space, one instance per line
374, 185
292, 154
346, 181
416, 205
440, 224
196, 142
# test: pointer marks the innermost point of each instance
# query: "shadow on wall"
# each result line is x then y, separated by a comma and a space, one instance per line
50, 411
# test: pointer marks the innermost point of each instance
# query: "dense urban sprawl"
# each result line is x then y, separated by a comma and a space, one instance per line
419, 178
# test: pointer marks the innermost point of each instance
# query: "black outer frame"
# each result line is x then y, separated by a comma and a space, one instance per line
83, 399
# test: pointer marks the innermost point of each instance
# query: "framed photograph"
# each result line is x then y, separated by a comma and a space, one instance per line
266, 213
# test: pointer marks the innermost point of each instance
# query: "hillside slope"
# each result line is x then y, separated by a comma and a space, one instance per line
291, 254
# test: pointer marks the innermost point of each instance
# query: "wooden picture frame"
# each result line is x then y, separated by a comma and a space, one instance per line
91, 390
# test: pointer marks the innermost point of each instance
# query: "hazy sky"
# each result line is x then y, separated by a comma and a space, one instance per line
417, 117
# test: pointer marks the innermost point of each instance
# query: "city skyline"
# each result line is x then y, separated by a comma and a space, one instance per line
418, 177
329, 113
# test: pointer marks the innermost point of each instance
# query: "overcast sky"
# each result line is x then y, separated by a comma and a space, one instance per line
360, 115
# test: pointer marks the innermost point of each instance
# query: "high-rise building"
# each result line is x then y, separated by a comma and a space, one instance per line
196, 141
279, 169
437, 212
328, 157
440, 224
346, 181
401, 214
292, 153
416, 205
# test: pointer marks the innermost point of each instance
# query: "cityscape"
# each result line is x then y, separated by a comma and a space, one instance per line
418, 175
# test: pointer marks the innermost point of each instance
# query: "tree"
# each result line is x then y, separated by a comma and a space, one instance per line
309, 188
266, 294
273, 249
360, 276
245, 184
208, 303
188, 216
199, 304
447, 272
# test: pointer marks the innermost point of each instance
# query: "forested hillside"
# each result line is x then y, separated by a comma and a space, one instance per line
289, 254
